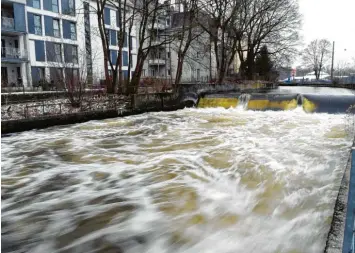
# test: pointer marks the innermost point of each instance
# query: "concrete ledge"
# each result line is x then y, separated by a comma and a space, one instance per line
335, 237
341, 231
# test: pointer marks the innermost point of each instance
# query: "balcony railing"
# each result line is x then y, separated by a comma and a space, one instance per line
13, 53
7, 23
157, 62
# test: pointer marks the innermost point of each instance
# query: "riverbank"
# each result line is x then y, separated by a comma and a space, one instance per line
22, 112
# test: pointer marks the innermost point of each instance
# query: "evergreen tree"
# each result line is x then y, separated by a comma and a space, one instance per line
264, 64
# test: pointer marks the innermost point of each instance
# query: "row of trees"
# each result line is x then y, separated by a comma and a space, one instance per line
317, 58
246, 29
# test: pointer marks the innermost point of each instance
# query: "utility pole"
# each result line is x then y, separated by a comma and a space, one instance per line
332, 69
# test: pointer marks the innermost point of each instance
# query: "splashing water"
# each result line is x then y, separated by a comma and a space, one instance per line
195, 180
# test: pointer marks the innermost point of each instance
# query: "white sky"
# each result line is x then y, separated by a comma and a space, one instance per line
333, 20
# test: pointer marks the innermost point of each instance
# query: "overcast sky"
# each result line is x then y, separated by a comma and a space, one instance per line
333, 20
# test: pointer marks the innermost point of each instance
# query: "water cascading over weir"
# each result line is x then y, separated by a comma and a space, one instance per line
341, 237
309, 102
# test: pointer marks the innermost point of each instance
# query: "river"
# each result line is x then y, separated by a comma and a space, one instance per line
193, 180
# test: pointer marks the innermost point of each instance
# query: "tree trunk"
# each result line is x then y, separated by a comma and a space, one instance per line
179, 70
109, 86
250, 66
221, 74
134, 84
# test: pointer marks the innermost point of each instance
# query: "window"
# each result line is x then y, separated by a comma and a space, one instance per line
71, 53
75, 54
71, 7
37, 24
37, 75
113, 37
168, 55
68, 7
58, 52
56, 31
39, 50
3, 50
72, 31
143, 72
36, 4
69, 30
56, 74
124, 58
55, 6
107, 18
169, 72
72, 75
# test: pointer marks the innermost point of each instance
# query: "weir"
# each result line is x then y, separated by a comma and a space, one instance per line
311, 103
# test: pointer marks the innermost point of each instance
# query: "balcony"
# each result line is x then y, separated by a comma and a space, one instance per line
8, 24
158, 26
11, 54
159, 42
157, 62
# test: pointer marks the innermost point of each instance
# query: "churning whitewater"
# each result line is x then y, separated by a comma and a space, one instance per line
194, 180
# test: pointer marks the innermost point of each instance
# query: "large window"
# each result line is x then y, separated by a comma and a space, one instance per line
37, 24
54, 52
36, 4
71, 53
71, 7
58, 52
56, 29
56, 75
55, 5
75, 54
68, 7
69, 30
38, 75
72, 75
72, 31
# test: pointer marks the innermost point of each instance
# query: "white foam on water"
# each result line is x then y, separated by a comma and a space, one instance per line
194, 180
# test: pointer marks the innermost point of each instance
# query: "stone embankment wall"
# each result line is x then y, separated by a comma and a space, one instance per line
21, 112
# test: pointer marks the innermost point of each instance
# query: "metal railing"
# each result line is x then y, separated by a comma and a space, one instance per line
7, 23
13, 53
157, 61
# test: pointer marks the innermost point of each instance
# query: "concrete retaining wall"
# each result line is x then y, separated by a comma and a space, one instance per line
140, 104
10, 98
340, 235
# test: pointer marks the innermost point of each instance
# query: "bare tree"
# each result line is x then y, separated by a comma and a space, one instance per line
148, 16
68, 73
273, 23
316, 55
186, 31
133, 14
219, 18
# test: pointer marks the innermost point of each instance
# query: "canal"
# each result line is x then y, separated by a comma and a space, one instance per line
193, 180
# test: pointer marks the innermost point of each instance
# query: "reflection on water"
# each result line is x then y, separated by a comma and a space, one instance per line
195, 180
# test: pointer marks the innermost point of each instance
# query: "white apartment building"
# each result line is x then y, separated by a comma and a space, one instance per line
199, 62
14, 53
49, 39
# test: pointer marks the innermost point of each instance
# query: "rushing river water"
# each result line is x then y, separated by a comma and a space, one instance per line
194, 180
